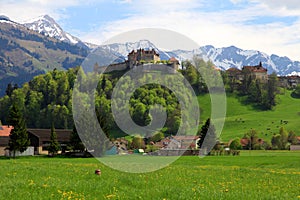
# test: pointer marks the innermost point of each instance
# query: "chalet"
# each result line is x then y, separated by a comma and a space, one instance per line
40, 139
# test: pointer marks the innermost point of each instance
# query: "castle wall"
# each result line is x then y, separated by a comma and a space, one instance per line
116, 67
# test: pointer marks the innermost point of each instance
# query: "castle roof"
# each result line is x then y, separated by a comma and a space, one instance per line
150, 51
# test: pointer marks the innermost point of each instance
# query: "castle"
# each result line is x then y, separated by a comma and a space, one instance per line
141, 58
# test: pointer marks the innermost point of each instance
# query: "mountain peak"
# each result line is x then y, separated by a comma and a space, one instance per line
46, 25
4, 18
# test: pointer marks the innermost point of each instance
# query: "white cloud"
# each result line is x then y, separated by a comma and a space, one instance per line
287, 4
189, 17
28, 9
219, 29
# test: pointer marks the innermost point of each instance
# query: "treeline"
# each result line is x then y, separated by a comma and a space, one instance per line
44, 99
280, 141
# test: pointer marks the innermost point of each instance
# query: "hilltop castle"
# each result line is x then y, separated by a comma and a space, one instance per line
141, 58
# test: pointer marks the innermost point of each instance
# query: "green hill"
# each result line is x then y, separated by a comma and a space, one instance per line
240, 118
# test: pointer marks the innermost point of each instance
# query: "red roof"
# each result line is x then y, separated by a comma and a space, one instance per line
173, 59
244, 142
5, 130
255, 68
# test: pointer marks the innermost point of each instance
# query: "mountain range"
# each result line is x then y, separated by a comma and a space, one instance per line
25, 53
38, 45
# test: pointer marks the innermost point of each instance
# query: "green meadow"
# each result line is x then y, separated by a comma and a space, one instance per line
253, 175
241, 117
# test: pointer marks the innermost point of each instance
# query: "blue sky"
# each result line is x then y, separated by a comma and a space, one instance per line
266, 25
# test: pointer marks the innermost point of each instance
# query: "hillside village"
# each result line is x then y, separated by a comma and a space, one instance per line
171, 145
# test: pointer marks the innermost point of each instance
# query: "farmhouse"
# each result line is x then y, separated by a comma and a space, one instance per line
40, 139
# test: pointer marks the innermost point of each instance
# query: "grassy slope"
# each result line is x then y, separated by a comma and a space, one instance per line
240, 118
263, 175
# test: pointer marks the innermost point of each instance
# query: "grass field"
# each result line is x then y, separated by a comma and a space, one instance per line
253, 175
240, 118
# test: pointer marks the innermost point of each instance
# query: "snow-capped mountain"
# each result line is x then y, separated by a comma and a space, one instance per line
232, 56
48, 27
5, 19
125, 48
223, 58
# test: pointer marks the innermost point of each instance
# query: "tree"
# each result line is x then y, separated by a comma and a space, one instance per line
252, 137
271, 91
75, 141
283, 138
9, 89
137, 143
207, 131
54, 145
275, 141
157, 137
18, 136
296, 92
235, 144
280, 141
292, 138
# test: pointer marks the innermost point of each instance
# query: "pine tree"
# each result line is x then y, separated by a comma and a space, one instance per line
54, 145
75, 141
18, 136
207, 131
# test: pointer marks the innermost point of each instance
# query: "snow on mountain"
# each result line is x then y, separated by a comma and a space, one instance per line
232, 56
126, 48
47, 26
223, 58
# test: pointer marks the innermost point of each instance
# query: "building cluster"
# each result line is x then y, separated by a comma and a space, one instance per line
39, 140
255, 72
145, 59
261, 73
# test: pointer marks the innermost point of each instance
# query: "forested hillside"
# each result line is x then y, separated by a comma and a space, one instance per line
48, 98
